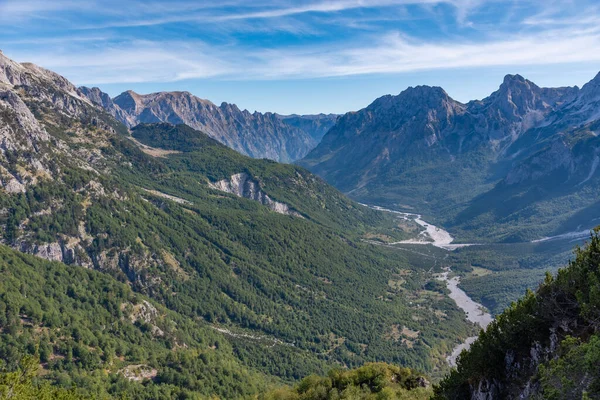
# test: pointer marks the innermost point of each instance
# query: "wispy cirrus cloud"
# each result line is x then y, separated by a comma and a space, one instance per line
350, 37
147, 61
557, 16
397, 53
136, 61
139, 14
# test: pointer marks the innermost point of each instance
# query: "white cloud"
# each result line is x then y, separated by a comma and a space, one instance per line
396, 53
140, 13
145, 61
324, 7
17, 10
136, 61
546, 37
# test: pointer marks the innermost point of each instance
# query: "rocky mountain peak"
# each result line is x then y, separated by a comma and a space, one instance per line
518, 96
510, 79
128, 101
591, 90
10, 71
518, 105
257, 135
49, 76
583, 109
424, 94
13, 73
99, 98
96, 96
415, 100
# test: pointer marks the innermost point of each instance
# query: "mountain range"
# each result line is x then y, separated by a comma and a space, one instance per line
276, 137
207, 272
514, 159
143, 258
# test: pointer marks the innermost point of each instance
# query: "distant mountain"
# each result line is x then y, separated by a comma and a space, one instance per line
471, 164
103, 100
363, 144
315, 125
255, 134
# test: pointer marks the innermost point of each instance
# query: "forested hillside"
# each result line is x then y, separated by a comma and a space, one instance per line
266, 257
547, 345
95, 335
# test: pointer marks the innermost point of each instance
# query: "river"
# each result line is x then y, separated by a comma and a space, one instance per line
441, 238
431, 235
473, 310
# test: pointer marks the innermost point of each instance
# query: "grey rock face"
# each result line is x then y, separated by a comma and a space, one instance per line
423, 124
20, 129
518, 105
421, 117
21, 135
418, 123
40, 82
582, 110
242, 185
99, 98
255, 134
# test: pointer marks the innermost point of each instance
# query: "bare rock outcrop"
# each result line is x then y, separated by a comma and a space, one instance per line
242, 185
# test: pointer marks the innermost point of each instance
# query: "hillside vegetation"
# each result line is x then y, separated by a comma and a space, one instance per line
544, 346
276, 268
96, 337
371, 381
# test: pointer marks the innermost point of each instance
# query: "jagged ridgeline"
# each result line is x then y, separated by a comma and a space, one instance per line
277, 137
546, 346
265, 259
518, 165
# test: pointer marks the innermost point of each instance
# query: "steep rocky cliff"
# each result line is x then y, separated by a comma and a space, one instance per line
517, 106
242, 185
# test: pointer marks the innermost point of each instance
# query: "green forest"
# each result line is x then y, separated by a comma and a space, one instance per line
551, 335
170, 288
248, 298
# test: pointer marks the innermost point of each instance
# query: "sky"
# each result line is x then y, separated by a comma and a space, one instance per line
305, 56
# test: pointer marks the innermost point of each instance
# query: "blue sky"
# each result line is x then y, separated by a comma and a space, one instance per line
305, 56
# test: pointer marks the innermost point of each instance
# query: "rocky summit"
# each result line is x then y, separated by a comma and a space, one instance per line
463, 161
258, 135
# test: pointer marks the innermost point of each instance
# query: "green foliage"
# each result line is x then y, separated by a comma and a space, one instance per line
575, 372
82, 323
293, 295
567, 305
371, 381
173, 137
207, 160
20, 384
